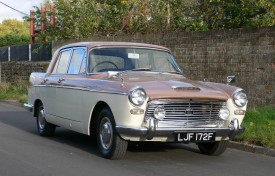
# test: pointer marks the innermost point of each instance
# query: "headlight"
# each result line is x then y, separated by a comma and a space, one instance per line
137, 96
224, 113
240, 98
159, 113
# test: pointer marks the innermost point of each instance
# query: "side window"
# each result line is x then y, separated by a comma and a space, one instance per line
62, 63
76, 61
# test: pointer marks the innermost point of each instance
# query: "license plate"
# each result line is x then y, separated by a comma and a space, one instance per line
196, 137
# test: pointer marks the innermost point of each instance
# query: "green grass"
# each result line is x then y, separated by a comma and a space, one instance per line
260, 127
14, 91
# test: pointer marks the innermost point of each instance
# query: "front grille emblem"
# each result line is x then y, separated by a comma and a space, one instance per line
189, 111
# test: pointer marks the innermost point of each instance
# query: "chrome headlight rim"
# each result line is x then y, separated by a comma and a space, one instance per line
132, 96
238, 96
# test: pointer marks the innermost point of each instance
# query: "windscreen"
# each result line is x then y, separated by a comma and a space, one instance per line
129, 58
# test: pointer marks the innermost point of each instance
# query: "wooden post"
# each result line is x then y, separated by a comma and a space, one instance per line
32, 32
52, 19
43, 21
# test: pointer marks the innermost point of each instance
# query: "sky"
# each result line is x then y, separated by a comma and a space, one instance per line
22, 5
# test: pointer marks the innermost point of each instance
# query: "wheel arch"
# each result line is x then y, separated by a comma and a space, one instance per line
95, 112
37, 102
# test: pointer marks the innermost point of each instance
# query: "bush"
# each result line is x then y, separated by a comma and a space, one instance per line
14, 39
17, 91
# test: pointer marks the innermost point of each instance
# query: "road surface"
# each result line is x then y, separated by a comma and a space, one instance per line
24, 153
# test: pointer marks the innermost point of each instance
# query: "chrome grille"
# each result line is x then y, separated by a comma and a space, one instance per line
187, 114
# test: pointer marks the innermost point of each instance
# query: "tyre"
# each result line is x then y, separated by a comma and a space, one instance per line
110, 144
213, 148
43, 127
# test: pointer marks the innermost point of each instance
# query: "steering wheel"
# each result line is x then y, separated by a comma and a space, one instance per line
104, 62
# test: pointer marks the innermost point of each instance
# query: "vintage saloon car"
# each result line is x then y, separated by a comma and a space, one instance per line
122, 92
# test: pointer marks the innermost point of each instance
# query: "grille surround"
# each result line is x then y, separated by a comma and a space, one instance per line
187, 114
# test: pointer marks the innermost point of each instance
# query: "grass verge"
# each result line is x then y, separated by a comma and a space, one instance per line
260, 127
17, 91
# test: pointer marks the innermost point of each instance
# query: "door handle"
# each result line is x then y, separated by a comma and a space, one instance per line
44, 81
61, 80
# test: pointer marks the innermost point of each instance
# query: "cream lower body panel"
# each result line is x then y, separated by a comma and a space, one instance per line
66, 123
73, 109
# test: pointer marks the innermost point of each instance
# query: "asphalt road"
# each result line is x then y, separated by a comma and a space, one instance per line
24, 153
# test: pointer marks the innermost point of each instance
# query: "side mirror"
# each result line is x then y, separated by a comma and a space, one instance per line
112, 74
231, 79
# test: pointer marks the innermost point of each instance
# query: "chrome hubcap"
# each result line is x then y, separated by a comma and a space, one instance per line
41, 119
106, 133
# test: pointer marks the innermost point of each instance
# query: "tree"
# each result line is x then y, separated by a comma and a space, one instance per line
219, 14
82, 18
13, 26
14, 32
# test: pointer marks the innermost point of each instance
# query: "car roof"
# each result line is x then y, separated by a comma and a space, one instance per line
99, 44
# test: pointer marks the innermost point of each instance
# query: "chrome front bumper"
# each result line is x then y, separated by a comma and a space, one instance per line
149, 133
28, 107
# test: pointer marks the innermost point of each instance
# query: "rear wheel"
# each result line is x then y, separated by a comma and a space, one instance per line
43, 127
213, 148
110, 144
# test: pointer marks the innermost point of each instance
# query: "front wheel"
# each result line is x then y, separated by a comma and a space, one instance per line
213, 148
110, 144
43, 127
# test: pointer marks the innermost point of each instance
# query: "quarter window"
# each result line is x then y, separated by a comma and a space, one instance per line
62, 63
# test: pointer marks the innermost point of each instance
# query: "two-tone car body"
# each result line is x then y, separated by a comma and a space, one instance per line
124, 92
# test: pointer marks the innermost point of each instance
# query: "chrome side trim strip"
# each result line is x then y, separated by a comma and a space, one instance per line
65, 118
82, 88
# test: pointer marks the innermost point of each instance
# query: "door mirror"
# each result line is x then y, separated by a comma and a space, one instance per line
231, 79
